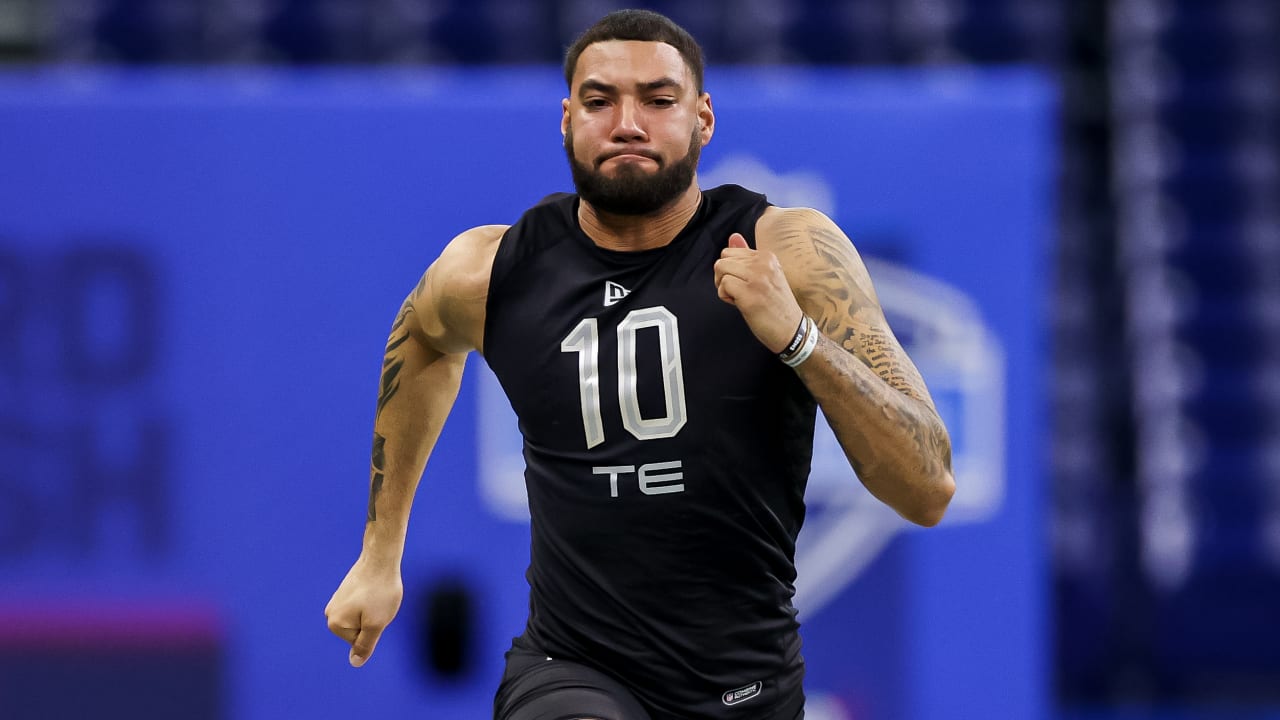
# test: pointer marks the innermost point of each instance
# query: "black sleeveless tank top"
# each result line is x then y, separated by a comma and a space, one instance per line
667, 453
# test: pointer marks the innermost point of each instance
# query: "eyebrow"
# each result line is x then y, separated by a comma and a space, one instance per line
609, 89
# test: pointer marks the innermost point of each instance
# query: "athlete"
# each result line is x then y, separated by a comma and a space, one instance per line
665, 349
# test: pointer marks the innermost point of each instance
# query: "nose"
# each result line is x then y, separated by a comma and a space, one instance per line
628, 128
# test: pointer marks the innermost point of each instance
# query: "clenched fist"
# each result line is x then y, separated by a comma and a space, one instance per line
753, 282
364, 604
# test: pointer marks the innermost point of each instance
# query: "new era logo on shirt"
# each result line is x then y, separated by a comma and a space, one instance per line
613, 292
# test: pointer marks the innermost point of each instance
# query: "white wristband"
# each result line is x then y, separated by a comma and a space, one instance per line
806, 348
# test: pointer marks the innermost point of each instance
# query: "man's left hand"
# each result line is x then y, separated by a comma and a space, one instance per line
753, 282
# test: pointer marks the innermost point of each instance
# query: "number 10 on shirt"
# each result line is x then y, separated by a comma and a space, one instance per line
584, 340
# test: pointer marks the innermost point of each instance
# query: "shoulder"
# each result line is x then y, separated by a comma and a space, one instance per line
462, 269
815, 254
475, 246
797, 233
450, 298
780, 226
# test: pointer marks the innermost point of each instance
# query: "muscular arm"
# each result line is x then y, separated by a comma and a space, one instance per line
869, 390
415, 394
438, 324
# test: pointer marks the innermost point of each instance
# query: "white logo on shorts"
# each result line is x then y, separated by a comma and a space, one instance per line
742, 694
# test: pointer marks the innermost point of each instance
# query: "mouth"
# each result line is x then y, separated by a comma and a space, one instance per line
629, 156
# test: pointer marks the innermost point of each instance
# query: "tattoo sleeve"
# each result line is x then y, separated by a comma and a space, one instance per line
392, 361
392, 358
847, 311
376, 474
833, 286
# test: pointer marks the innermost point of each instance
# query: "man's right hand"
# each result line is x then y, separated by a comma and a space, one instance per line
363, 606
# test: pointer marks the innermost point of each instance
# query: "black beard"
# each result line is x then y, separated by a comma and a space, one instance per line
632, 191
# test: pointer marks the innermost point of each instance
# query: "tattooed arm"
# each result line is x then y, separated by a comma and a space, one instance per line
869, 390
440, 321
416, 391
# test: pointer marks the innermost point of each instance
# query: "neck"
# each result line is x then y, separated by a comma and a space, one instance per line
639, 232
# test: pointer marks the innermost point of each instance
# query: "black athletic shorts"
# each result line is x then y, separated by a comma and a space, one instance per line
537, 687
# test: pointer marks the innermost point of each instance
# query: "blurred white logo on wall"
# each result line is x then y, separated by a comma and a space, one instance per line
846, 528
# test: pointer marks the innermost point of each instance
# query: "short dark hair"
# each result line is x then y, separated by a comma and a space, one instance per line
642, 25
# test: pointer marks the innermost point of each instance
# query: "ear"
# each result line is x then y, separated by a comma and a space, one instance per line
707, 117
564, 117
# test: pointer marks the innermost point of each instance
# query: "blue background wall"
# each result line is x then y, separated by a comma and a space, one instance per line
197, 272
